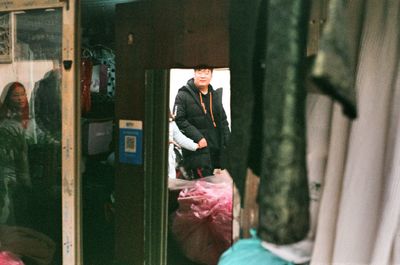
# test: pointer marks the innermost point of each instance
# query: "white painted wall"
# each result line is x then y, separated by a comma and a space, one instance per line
25, 72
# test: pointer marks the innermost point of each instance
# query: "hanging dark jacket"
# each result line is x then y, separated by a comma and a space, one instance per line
267, 60
195, 124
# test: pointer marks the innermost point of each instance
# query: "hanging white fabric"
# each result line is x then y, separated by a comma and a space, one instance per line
359, 217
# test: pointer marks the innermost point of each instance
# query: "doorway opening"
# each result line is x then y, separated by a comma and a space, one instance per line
190, 231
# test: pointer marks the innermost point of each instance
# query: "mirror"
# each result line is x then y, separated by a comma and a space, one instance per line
30, 136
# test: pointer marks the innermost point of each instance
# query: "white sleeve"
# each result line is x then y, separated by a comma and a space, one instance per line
182, 139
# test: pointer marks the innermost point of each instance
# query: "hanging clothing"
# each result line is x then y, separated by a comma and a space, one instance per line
361, 207
275, 147
283, 191
106, 57
334, 70
242, 35
97, 82
86, 79
332, 184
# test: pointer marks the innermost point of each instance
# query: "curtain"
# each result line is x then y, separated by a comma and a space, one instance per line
243, 20
318, 115
358, 217
359, 212
269, 120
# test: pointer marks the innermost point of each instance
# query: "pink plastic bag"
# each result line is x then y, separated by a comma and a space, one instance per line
7, 258
203, 223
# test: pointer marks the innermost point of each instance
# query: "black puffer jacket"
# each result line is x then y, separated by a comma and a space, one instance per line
195, 124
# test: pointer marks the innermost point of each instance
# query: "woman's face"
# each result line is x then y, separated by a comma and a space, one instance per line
18, 97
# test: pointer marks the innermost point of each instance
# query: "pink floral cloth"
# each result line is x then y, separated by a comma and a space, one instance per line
203, 223
8, 258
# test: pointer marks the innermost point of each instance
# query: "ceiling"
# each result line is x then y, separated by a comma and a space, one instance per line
99, 3
98, 7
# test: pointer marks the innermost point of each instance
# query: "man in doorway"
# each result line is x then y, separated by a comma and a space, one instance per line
200, 115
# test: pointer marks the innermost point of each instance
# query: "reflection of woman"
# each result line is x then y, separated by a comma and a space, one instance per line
18, 130
15, 104
14, 173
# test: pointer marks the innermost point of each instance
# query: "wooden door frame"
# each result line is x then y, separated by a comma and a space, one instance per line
71, 135
155, 168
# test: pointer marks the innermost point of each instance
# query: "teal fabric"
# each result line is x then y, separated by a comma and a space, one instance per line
250, 252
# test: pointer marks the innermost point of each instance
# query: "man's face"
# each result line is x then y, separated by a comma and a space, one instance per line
202, 77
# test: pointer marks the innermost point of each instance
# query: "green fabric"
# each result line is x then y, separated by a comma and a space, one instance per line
243, 18
334, 70
267, 53
283, 192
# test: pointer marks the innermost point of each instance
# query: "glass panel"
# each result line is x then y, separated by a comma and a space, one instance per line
30, 136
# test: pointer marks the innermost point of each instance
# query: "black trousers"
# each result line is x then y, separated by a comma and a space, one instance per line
201, 172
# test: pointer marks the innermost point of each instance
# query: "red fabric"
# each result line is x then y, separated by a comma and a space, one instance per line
86, 79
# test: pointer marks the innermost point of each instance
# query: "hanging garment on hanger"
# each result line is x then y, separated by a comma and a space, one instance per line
272, 133
334, 70
106, 57
243, 18
283, 192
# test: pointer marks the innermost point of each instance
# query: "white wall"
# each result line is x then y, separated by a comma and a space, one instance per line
25, 72
221, 78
